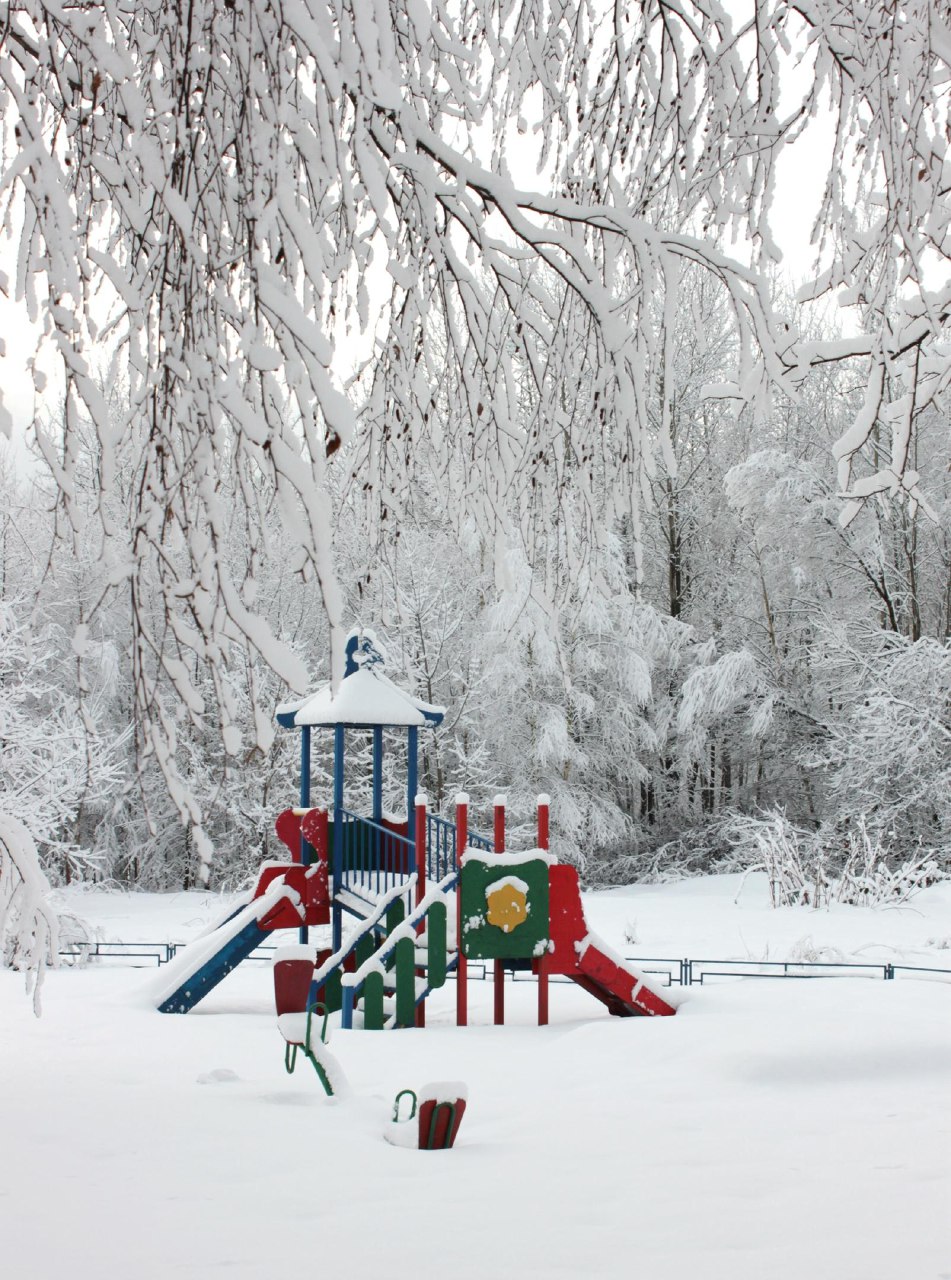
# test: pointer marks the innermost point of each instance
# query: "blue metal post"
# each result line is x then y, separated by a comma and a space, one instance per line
377, 773
346, 1011
304, 802
304, 784
338, 836
377, 815
412, 776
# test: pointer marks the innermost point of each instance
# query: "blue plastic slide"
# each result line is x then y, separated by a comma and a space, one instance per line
199, 967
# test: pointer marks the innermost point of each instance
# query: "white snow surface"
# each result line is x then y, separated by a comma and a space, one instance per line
295, 951
773, 1128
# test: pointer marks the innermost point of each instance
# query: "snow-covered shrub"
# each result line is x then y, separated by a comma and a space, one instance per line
29, 926
815, 868
849, 864
772, 844
868, 871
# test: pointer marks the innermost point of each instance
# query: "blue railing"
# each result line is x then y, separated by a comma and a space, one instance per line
441, 846
374, 858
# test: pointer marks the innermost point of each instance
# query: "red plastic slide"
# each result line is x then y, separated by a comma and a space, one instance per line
584, 958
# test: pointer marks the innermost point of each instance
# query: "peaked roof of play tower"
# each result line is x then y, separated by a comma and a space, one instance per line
366, 697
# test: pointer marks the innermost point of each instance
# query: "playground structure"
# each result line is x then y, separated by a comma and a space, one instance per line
424, 896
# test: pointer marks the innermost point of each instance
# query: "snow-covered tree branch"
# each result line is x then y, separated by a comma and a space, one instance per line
206, 188
310, 243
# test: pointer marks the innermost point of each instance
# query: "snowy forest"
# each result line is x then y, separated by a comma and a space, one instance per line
469, 322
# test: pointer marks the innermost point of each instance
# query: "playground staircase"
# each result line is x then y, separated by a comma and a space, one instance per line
387, 986
388, 967
356, 903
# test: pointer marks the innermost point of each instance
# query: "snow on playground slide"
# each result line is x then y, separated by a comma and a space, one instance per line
625, 989
199, 967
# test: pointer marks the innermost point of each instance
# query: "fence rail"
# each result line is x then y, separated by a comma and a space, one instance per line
675, 972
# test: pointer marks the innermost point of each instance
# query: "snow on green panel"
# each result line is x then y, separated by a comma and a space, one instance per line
504, 909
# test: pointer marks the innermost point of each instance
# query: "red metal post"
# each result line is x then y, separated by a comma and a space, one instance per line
421, 824
542, 970
543, 803
542, 992
462, 966
499, 976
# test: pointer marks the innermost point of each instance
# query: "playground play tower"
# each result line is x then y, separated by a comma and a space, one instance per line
409, 903
367, 854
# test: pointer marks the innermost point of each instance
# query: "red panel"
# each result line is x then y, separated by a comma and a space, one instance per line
284, 915
272, 871
608, 974
316, 894
291, 985
314, 828
322, 957
287, 827
426, 1110
620, 985
614, 1005
566, 923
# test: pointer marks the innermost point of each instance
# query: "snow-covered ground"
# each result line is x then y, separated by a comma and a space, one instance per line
772, 1129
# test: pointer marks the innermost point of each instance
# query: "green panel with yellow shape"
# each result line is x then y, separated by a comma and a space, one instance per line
504, 907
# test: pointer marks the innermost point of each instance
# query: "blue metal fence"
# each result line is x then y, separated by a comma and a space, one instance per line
157, 953
674, 972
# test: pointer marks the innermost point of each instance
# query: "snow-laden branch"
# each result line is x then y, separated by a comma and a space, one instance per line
216, 198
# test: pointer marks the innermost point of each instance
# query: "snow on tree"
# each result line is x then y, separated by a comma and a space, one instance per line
888, 749
215, 196
206, 187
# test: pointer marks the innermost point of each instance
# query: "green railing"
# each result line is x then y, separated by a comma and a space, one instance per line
395, 964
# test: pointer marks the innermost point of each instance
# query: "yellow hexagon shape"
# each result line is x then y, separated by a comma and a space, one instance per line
507, 902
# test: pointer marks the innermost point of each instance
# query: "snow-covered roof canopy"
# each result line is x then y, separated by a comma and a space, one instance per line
366, 696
